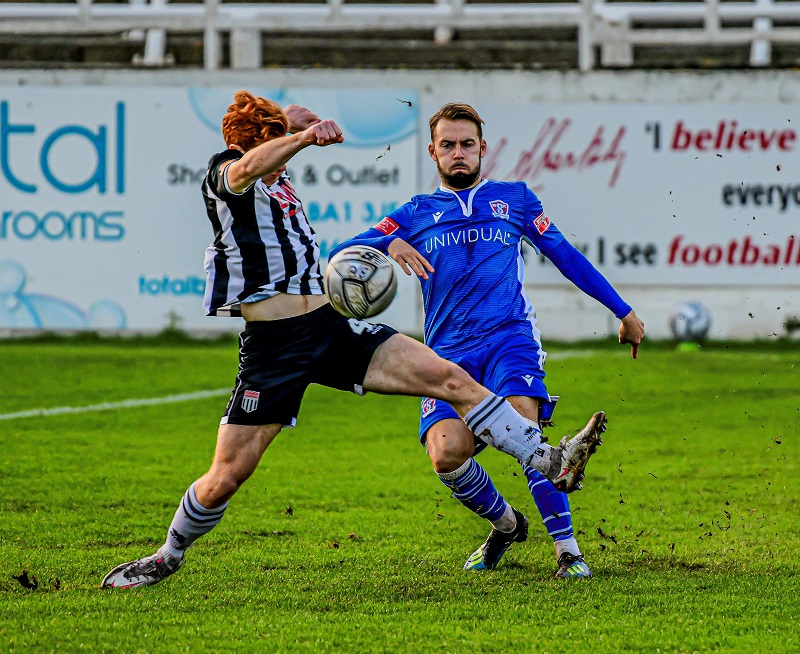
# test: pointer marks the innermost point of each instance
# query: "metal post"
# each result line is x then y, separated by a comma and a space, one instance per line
155, 44
443, 34
245, 48
712, 21
84, 9
585, 36
211, 44
761, 49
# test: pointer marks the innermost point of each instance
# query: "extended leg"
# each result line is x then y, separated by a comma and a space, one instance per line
239, 450
404, 366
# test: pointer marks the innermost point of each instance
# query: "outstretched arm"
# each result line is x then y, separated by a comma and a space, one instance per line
392, 228
270, 156
410, 260
577, 268
373, 238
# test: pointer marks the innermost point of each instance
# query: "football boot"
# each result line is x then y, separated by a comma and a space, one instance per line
571, 566
142, 572
575, 452
488, 555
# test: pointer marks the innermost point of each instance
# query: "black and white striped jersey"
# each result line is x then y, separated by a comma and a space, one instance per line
263, 243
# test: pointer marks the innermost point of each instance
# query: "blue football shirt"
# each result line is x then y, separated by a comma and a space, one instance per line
473, 239
475, 246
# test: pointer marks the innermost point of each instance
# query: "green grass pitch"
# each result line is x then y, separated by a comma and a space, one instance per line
345, 541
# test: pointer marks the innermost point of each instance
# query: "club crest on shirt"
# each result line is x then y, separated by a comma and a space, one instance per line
387, 226
499, 209
428, 405
541, 223
250, 401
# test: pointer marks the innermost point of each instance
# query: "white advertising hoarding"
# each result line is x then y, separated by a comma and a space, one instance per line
691, 194
102, 223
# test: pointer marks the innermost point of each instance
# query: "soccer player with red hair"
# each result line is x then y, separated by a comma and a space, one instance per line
264, 265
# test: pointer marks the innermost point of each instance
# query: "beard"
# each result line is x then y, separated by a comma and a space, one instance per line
461, 179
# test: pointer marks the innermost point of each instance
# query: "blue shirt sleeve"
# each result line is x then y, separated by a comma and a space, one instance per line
546, 238
394, 225
537, 229
577, 268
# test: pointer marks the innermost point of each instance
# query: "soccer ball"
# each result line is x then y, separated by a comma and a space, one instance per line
360, 281
690, 321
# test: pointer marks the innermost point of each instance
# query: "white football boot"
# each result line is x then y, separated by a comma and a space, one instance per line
574, 454
142, 572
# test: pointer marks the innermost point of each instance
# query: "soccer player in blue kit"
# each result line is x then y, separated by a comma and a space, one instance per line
264, 264
464, 242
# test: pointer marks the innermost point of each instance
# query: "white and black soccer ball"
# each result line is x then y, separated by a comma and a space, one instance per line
690, 321
360, 281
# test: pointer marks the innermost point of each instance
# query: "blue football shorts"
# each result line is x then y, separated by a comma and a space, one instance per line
511, 365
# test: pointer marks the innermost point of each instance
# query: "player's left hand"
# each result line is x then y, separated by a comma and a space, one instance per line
631, 332
411, 261
299, 118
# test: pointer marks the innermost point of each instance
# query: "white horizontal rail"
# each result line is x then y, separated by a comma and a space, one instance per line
193, 17
610, 26
725, 37
693, 11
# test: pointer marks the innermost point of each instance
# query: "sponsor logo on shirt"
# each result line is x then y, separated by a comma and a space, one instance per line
428, 405
283, 192
499, 209
250, 401
528, 379
387, 226
463, 236
437, 215
541, 223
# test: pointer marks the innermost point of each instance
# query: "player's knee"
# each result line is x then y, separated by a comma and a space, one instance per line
450, 456
221, 485
448, 462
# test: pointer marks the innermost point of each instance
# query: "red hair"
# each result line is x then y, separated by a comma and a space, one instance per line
251, 121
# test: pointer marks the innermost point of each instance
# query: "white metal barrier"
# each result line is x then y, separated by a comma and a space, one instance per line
613, 28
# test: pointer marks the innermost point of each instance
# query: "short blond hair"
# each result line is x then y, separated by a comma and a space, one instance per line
457, 111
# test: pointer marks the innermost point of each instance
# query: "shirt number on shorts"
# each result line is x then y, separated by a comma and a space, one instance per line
360, 326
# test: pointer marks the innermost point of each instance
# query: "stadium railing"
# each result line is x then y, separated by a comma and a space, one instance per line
611, 30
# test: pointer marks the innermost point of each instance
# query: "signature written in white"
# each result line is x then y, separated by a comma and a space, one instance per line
546, 154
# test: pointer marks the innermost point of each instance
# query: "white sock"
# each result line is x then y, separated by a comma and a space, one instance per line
497, 423
191, 521
452, 476
506, 522
567, 545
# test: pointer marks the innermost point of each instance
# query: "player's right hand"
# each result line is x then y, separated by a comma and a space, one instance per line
325, 132
411, 261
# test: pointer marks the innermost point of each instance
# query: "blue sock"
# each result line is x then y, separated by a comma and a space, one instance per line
553, 505
472, 487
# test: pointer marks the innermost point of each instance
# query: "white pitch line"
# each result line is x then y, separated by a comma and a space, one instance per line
122, 404
574, 354
185, 397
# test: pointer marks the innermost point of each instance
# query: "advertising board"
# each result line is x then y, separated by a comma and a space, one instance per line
102, 224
